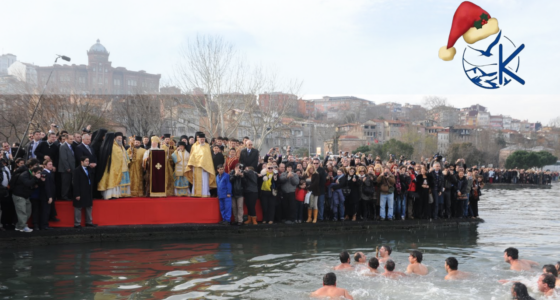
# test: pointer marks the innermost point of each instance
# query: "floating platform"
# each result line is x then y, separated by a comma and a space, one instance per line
147, 211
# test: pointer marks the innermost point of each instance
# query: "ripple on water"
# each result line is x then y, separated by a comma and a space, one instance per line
177, 273
269, 257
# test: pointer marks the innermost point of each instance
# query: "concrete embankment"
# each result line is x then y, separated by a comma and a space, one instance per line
13, 239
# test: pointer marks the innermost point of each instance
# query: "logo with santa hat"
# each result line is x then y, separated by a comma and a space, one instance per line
491, 63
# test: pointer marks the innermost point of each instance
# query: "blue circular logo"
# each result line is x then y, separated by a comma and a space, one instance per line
482, 64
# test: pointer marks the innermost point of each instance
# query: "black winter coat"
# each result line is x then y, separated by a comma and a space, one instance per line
24, 183
236, 184
82, 187
48, 188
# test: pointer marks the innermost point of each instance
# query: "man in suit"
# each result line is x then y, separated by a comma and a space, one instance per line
83, 193
77, 140
46, 197
35, 141
66, 165
85, 149
249, 156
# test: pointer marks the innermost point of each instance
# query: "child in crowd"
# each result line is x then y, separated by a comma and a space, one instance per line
301, 190
224, 194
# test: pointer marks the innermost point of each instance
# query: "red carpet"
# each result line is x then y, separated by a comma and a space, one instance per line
147, 211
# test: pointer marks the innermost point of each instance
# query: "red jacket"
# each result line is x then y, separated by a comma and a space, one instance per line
300, 194
412, 186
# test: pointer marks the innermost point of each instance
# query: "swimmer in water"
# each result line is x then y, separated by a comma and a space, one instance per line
373, 264
330, 290
360, 258
550, 269
546, 284
519, 292
451, 266
344, 261
511, 256
384, 253
416, 266
390, 270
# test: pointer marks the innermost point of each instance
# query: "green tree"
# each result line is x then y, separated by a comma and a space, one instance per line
466, 151
546, 158
397, 148
525, 160
363, 149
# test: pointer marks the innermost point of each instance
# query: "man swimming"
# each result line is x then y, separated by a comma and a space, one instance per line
451, 266
344, 261
511, 256
360, 258
373, 264
552, 270
546, 284
330, 290
384, 253
416, 266
390, 270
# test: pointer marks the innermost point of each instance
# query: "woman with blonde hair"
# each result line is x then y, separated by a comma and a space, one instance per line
314, 187
268, 197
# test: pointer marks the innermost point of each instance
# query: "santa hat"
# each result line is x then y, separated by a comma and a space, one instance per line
471, 22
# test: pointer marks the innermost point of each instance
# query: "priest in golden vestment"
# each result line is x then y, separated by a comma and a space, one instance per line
156, 171
169, 146
136, 153
115, 178
200, 169
181, 158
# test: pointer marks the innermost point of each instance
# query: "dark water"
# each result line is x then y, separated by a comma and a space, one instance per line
290, 268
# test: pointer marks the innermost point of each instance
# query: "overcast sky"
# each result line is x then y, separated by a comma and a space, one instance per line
379, 50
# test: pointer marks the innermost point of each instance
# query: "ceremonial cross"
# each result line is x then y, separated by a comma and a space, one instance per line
158, 166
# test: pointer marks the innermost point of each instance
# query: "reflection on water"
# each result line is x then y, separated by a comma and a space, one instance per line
292, 267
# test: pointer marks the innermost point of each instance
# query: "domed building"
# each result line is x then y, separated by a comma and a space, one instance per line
98, 77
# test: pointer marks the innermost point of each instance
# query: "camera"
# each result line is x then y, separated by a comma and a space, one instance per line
241, 167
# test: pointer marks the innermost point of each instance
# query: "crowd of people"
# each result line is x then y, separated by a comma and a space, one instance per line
546, 282
58, 166
519, 176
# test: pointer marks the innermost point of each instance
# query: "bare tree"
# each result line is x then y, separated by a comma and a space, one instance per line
555, 122
70, 110
140, 114
435, 102
218, 78
424, 144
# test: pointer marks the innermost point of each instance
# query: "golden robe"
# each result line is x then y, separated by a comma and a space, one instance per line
136, 172
112, 177
169, 183
200, 159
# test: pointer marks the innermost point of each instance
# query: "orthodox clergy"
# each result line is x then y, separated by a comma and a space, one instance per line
169, 146
200, 169
181, 158
115, 179
136, 153
155, 165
